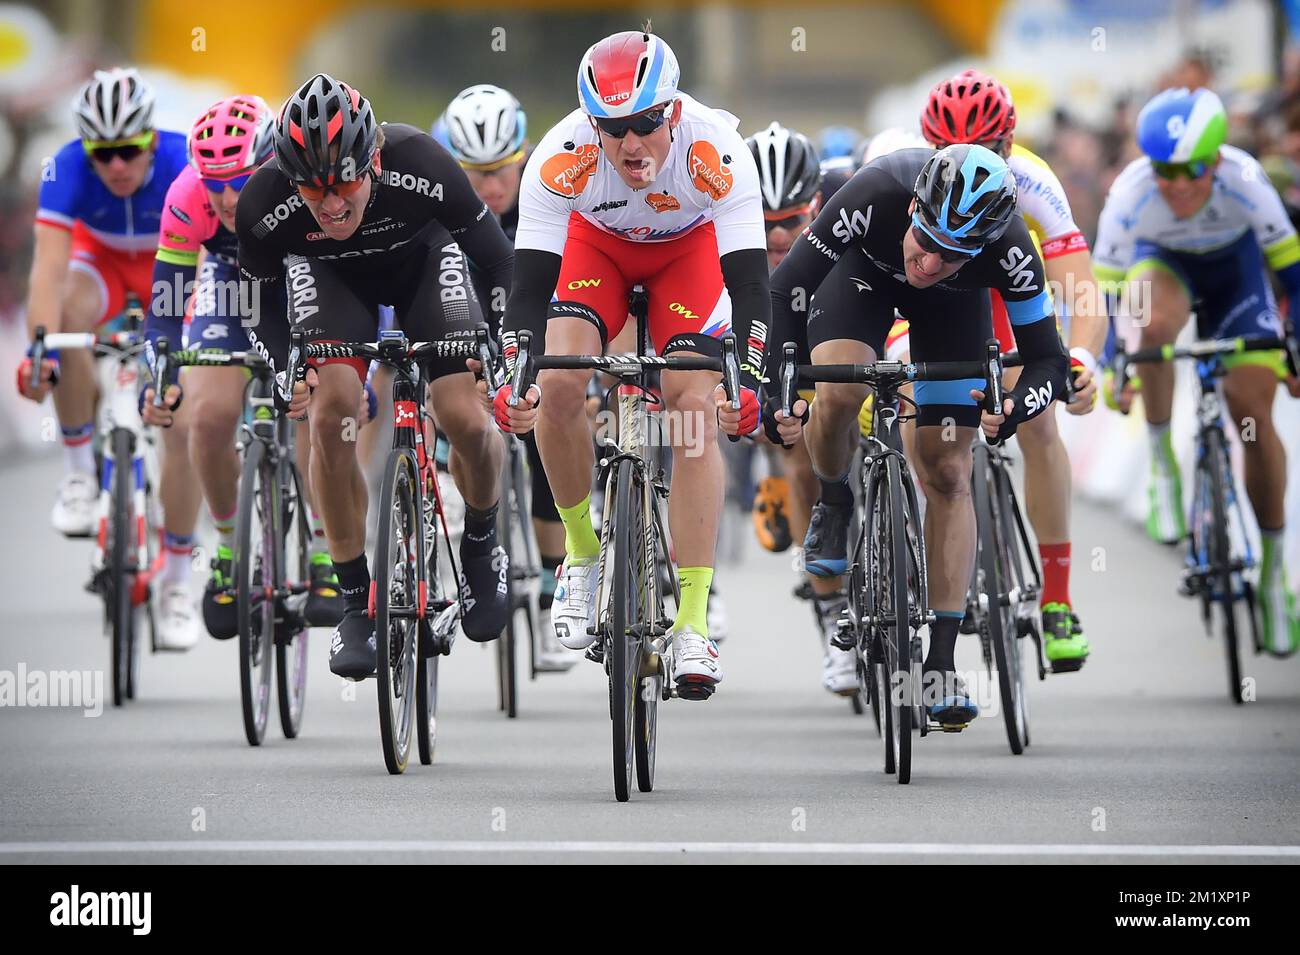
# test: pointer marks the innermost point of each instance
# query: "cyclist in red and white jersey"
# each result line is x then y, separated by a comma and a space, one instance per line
640, 185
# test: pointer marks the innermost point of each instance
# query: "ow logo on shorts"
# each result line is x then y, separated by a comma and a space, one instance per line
662, 202
683, 311
707, 170
583, 283
566, 174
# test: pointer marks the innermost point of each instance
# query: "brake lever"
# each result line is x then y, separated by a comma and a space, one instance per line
38, 357
160, 349
993, 393
523, 376
789, 370
731, 376
489, 372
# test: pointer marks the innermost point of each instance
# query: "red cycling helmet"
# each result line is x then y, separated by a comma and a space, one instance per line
971, 107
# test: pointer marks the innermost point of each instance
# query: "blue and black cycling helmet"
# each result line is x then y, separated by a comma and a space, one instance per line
965, 197
1182, 125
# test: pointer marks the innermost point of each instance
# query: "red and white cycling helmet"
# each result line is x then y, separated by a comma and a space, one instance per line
232, 137
625, 74
971, 107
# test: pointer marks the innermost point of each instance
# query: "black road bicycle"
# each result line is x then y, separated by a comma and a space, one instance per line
888, 601
631, 623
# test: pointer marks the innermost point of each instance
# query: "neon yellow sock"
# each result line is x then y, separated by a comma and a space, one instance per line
693, 611
580, 538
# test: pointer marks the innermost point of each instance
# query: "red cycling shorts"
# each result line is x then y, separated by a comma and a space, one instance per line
116, 273
682, 278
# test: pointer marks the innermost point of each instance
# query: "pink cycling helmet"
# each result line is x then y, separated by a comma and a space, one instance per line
232, 137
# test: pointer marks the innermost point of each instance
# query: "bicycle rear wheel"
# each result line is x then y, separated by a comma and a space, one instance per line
291, 636
993, 562
623, 645
1222, 584
257, 544
120, 578
398, 573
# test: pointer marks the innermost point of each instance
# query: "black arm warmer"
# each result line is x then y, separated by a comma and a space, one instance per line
535, 275
745, 274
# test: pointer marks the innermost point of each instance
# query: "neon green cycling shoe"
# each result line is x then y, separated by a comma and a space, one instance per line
1064, 642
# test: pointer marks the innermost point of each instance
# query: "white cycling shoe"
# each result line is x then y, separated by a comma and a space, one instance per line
552, 657
574, 610
839, 667
695, 660
74, 508
177, 618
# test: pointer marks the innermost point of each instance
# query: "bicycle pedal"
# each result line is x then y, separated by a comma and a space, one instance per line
949, 727
844, 639
596, 653
969, 623
694, 691
1067, 666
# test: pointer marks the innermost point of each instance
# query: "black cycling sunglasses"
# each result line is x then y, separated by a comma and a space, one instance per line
643, 124
928, 244
106, 154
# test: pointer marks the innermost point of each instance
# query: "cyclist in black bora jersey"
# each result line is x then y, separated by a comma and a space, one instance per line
348, 216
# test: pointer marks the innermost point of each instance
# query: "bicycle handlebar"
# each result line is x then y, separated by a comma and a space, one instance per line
1210, 348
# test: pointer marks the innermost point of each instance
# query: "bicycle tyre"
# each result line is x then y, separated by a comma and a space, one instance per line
507, 674
256, 546
120, 579
398, 572
291, 648
992, 556
624, 614
1215, 460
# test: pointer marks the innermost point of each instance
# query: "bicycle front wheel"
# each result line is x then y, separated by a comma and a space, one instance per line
256, 545
398, 571
891, 610
120, 579
291, 639
624, 641
993, 562
1222, 585
507, 676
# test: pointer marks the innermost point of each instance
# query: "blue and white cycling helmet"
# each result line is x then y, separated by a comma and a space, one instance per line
1182, 126
965, 197
836, 141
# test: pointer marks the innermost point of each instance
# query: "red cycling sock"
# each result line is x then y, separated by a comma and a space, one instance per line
1056, 573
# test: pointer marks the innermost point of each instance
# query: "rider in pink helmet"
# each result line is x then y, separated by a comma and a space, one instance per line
230, 140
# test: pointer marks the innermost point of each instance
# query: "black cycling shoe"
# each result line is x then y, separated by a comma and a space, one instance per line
484, 593
826, 545
325, 606
352, 647
220, 611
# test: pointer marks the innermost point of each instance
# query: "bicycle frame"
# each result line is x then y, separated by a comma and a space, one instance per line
1200, 566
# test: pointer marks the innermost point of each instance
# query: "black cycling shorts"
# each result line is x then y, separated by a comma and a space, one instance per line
857, 301
431, 294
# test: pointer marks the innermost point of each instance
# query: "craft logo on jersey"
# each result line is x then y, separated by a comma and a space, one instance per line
566, 174
1019, 269
708, 170
662, 202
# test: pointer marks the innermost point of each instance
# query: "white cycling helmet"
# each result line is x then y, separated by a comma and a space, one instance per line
891, 140
485, 127
116, 104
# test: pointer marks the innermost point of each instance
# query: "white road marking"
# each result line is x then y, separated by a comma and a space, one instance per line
703, 848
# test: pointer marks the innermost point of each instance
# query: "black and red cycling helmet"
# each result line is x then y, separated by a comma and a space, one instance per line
325, 133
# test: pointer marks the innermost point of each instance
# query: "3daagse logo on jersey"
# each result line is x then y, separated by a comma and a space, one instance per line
662, 202
566, 174
708, 171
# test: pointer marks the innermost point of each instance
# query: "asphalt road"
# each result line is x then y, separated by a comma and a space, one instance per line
1139, 757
